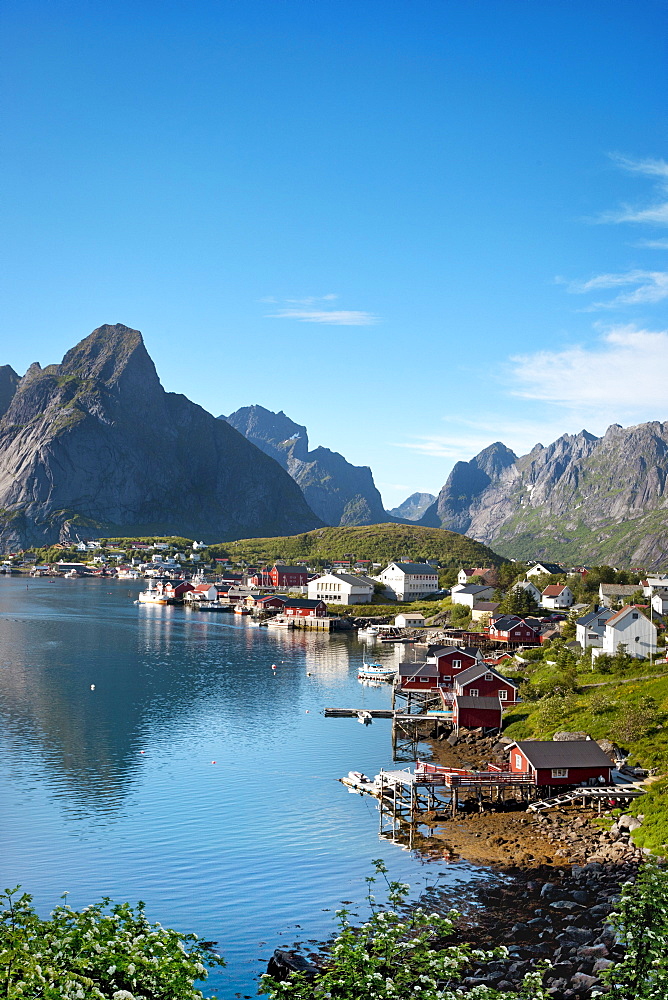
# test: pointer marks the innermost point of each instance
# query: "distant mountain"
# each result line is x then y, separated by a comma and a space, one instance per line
581, 499
94, 446
414, 507
338, 492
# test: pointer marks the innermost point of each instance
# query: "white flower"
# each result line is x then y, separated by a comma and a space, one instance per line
122, 995
111, 970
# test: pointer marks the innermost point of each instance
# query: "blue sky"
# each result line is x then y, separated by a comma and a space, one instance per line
416, 227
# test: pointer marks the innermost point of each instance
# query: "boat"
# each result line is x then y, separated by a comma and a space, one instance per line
211, 606
371, 631
376, 672
364, 718
152, 596
239, 610
280, 621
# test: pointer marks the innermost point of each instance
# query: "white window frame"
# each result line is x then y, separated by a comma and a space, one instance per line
456, 664
503, 694
473, 693
519, 762
559, 772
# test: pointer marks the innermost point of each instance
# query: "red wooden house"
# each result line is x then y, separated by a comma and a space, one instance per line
482, 681
476, 713
451, 661
299, 608
418, 676
176, 591
513, 631
556, 763
269, 602
288, 576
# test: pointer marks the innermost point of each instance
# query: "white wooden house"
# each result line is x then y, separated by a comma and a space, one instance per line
406, 581
557, 596
471, 595
590, 628
632, 629
341, 588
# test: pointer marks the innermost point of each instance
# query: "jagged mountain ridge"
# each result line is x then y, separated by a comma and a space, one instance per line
95, 446
414, 506
338, 492
579, 499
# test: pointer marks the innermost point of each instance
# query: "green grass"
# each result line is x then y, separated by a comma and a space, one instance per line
378, 542
611, 712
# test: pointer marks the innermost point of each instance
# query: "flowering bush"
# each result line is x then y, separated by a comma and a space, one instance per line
641, 923
397, 954
103, 952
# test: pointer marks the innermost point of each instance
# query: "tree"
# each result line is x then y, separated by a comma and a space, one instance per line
460, 615
569, 628
104, 952
518, 602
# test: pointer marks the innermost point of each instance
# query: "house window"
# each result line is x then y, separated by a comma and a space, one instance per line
634, 616
456, 664
503, 695
473, 693
559, 772
519, 764
488, 677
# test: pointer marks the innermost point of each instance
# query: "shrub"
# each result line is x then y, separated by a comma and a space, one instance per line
395, 955
601, 703
101, 952
636, 720
641, 922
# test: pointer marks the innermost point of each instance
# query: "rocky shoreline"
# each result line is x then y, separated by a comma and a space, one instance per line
559, 877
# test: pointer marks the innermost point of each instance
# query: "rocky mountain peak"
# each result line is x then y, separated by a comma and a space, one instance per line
9, 381
110, 353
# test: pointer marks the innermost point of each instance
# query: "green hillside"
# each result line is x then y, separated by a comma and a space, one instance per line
377, 542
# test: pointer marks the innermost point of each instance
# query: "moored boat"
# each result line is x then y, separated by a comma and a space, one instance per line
375, 672
280, 621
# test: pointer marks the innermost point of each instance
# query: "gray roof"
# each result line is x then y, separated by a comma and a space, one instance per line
473, 589
551, 568
417, 568
409, 669
622, 589
591, 616
477, 670
579, 753
466, 701
351, 578
442, 650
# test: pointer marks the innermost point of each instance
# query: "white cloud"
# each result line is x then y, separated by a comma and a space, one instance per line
311, 310
624, 375
650, 287
335, 317
654, 214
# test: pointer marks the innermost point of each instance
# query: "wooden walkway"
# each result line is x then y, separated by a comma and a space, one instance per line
598, 794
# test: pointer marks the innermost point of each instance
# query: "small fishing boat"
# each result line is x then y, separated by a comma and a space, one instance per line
152, 597
376, 672
240, 610
370, 632
364, 718
280, 621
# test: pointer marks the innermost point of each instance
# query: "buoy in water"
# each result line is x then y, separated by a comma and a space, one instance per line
92, 687
213, 762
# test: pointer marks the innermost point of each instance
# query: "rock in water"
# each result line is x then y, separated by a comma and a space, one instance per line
95, 447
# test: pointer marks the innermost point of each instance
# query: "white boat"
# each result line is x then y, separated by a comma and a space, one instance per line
151, 596
364, 718
375, 672
280, 622
370, 632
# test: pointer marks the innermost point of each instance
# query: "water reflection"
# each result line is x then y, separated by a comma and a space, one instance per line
194, 776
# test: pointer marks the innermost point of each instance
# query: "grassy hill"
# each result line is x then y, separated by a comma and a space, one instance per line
377, 542
627, 704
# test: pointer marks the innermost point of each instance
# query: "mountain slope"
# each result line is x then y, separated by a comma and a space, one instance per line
580, 499
414, 506
95, 446
338, 492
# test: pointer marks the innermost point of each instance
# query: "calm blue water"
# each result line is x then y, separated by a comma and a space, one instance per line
193, 777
